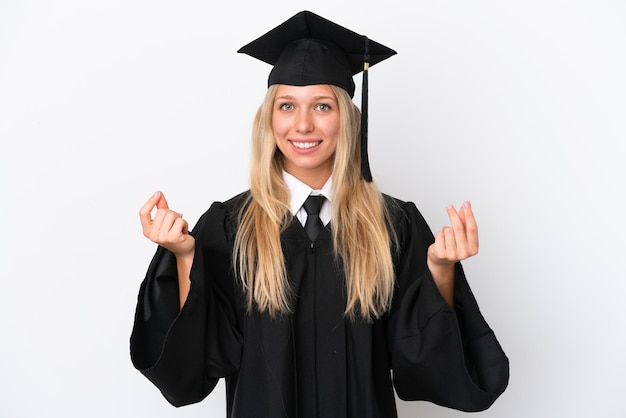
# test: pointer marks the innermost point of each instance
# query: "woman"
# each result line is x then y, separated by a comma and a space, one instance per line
323, 325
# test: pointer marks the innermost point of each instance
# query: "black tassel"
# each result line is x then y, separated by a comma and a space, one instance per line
365, 163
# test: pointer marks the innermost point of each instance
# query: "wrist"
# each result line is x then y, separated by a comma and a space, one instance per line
443, 276
186, 250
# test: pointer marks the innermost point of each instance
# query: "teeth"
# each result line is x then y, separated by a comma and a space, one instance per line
305, 145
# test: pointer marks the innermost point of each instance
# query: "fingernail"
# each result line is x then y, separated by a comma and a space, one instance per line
449, 206
466, 204
157, 194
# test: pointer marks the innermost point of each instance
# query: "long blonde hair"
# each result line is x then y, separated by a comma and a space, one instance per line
360, 222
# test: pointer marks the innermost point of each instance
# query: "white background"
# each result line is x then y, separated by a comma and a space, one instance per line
518, 106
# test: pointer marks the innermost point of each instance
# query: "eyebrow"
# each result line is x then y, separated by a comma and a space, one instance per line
289, 97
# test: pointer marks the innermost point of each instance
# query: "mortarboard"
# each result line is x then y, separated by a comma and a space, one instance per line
308, 49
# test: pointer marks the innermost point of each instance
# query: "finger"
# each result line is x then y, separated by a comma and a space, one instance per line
462, 211
161, 202
450, 243
471, 227
458, 225
169, 229
455, 217
172, 233
438, 248
146, 210
180, 227
467, 214
162, 225
157, 222
185, 229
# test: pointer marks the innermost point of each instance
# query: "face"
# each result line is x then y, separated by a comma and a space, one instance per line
305, 121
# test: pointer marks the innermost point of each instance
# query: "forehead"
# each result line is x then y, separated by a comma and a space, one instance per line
310, 92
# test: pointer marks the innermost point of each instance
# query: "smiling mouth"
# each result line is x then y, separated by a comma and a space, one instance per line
305, 145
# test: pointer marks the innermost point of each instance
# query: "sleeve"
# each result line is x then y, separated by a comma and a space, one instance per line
447, 356
185, 351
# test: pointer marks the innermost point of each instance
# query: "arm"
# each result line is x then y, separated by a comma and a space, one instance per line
184, 351
441, 352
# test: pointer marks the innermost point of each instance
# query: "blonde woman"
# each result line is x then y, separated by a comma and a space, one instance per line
313, 312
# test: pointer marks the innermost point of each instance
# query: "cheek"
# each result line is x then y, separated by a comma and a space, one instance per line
333, 147
333, 132
280, 126
331, 125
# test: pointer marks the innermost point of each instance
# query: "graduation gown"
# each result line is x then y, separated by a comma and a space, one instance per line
313, 362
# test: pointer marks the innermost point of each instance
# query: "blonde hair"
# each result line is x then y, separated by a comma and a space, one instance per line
360, 222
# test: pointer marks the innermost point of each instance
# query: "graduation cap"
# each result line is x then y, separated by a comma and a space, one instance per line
308, 49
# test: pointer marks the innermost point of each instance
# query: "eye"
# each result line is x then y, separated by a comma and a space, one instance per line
285, 106
323, 107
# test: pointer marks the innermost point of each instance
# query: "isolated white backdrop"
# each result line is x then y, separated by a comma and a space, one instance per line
517, 106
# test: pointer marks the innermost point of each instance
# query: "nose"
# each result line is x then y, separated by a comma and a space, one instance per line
303, 122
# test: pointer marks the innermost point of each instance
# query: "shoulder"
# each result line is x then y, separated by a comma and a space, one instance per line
404, 215
235, 203
231, 205
223, 214
399, 209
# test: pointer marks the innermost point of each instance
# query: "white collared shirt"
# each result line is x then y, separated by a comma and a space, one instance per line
300, 191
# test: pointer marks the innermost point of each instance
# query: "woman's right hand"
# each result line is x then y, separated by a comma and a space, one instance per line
168, 228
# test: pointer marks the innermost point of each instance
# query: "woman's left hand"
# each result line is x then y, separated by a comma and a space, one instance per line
457, 242
452, 244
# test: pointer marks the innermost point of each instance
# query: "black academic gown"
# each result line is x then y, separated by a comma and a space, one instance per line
314, 362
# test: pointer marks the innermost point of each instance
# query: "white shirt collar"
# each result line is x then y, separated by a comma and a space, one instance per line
300, 191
